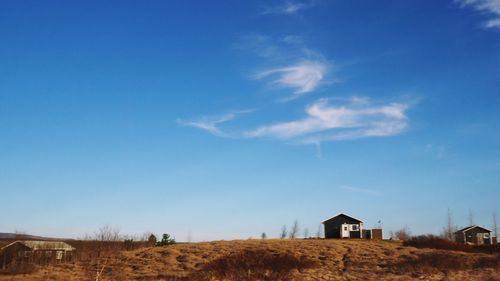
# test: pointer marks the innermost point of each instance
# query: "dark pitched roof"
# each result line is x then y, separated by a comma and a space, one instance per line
471, 227
342, 214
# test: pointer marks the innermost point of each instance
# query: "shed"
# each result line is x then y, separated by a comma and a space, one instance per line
41, 252
474, 235
343, 226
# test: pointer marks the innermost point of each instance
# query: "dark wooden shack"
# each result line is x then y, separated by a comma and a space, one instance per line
343, 226
374, 234
474, 235
39, 252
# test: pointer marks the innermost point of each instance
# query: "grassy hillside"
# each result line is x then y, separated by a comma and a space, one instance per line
325, 259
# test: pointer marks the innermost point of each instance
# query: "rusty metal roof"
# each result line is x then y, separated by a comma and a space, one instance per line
44, 245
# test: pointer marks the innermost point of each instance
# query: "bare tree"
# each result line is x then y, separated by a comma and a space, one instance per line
19, 235
152, 239
95, 272
144, 237
449, 229
284, 232
320, 230
306, 232
295, 230
108, 233
403, 234
471, 217
495, 225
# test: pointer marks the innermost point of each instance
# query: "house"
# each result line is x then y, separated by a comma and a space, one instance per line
343, 226
474, 235
40, 252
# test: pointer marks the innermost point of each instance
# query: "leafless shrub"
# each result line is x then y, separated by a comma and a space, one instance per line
284, 232
450, 228
402, 234
444, 261
319, 233
495, 225
108, 233
435, 242
152, 239
295, 230
108, 242
19, 268
252, 265
95, 270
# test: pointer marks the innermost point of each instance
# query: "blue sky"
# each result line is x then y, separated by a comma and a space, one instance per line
225, 119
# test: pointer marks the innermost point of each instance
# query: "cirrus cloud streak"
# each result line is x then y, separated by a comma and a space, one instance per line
327, 122
303, 77
324, 121
491, 7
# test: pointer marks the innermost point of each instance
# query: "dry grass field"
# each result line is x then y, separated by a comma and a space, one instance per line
315, 260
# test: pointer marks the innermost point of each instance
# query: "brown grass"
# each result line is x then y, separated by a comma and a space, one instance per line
330, 260
253, 265
435, 242
19, 269
443, 261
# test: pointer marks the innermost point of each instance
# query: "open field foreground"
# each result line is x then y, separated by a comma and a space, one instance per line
316, 260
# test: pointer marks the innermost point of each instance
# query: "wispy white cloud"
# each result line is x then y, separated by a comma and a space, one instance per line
211, 124
262, 45
303, 77
491, 7
359, 190
359, 118
289, 7
283, 48
438, 150
293, 39
350, 119
290, 63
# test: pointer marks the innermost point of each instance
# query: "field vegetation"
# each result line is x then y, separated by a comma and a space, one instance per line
269, 259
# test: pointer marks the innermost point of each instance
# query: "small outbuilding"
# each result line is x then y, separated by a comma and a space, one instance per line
343, 226
40, 252
474, 235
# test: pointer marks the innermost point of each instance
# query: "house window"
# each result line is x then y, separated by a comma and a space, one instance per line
354, 227
486, 235
345, 228
59, 255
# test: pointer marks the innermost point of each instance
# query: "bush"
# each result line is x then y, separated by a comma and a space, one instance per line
152, 240
18, 268
435, 242
444, 261
402, 234
128, 244
253, 265
165, 240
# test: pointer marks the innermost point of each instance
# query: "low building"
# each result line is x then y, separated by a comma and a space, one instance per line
343, 226
474, 235
374, 234
39, 252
